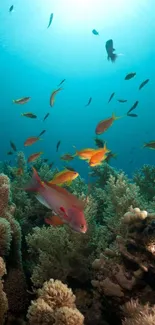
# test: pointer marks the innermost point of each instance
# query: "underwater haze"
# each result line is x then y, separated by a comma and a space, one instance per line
35, 59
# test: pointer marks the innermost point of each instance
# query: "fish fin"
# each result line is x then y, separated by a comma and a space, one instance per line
54, 221
105, 148
35, 183
59, 174
114, 117
40, 198
113, 56
68, 183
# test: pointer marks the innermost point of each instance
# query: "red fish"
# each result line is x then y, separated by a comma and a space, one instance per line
31, 141
66, 205
34, 156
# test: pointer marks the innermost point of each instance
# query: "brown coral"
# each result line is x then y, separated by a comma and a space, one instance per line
68, 316
137, 314
3, 298
55, 305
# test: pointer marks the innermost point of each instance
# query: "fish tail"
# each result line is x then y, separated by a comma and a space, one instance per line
105, 148
35, 183
113, 57
116, 117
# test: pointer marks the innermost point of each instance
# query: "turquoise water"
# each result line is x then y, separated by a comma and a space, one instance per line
35, 59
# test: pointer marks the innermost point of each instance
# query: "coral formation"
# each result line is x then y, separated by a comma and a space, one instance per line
108, 267
137, 314
55, 305
3, 298
10, 250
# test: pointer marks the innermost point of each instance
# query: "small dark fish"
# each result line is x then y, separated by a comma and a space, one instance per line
61, 82
150, 145
99, 142
130, 75
11, 8
45, 160
50, 20
57, 146
143, 83
70, 168
110, 155
51, 164
89, 101
41, 133
133, 107
110, 51
21, 101
46, 116
132, 115
30, 115
112, 95
95, 32
122, 100
9, 153
67, 157
13, 146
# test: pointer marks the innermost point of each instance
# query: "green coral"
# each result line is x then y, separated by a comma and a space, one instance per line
119, 194
145, 179
102, 174
58, 252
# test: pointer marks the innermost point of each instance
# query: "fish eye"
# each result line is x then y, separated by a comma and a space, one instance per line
81, 226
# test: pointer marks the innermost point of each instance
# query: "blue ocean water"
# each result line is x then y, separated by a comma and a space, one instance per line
34, 59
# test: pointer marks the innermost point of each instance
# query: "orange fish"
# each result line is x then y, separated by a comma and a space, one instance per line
31, 141
52, 98
21, 101
66, 205
104, 125
54, 221
85, 154
34, 156
98, 157
65, 176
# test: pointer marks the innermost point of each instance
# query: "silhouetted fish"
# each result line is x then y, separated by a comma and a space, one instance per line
61, 82
110, 50
143, 83
89, 101
57, 146
11, 8
112, 95
50, 20
46, 116
13, 146
133, 107
130, 75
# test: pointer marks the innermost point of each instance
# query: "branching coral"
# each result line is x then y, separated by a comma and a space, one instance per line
55, 305
145, 178
58, 252
102, 174
119, 194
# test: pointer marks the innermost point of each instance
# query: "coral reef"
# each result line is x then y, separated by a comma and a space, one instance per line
10, 250
108, 268
58, 252
3, 298
137, 314
144, 178
55, 305
127, 269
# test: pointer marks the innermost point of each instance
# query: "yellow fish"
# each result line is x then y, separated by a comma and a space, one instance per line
65, 176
